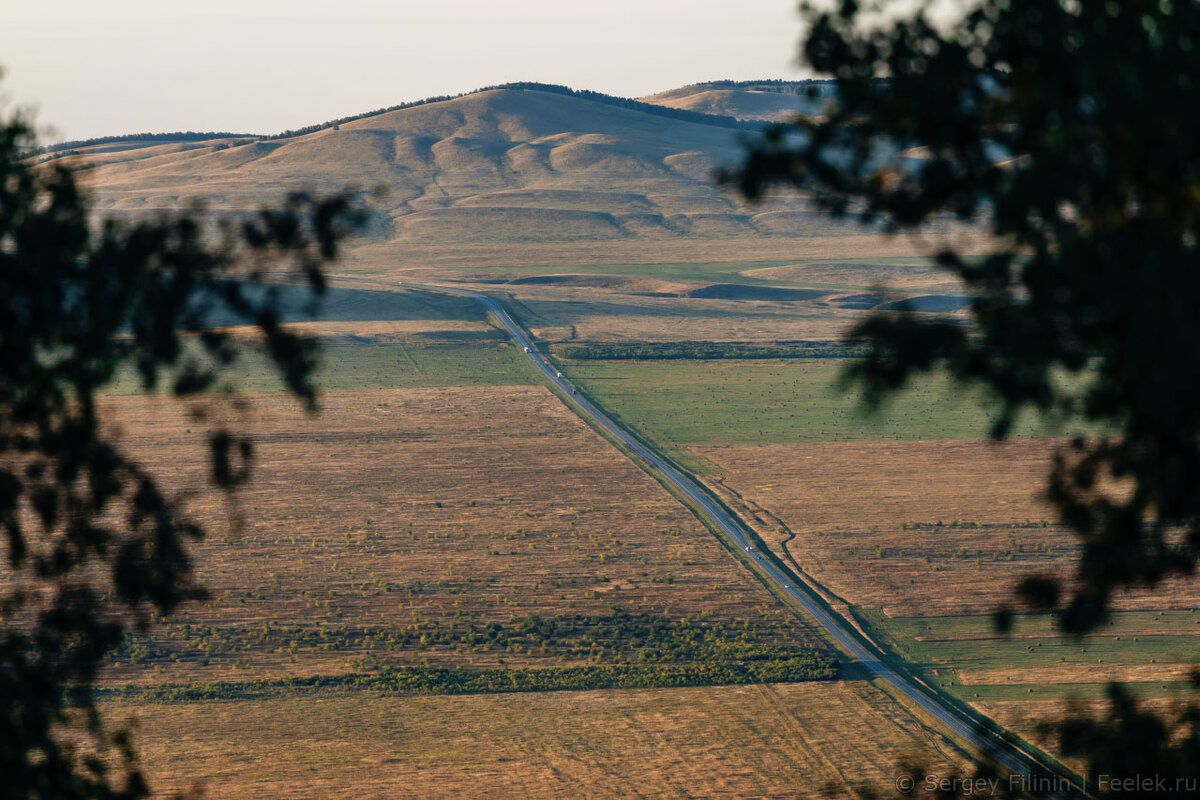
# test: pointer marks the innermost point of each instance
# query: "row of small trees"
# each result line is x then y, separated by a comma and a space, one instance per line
798, 667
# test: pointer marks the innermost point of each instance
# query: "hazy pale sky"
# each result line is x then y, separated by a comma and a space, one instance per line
94, 68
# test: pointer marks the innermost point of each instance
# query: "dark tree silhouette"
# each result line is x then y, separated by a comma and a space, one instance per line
92, 545
1070, 131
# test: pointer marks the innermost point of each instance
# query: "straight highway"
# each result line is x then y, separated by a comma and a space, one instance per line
1024, 770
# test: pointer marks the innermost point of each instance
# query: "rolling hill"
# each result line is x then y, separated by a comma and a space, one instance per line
518, 163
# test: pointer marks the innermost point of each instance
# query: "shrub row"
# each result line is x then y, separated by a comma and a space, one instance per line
619, 636
798, 667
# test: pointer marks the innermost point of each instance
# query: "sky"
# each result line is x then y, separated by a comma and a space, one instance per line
91, 68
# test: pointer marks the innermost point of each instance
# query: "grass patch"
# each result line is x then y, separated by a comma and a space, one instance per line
380, 365
966, 657
971, 643
728, 402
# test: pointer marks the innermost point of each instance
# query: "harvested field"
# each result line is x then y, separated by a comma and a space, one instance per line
915, 528
926, 539
399, 514
832, 486
756, 741
604, 316
397, 259
731, 298
1027, 715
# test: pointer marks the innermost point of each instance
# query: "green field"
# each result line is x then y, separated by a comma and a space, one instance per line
1135, 638
677, 404
400, 366
717, 272
384, 365
1057, 651
1123, 623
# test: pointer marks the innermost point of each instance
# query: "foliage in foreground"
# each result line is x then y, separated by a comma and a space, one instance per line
92, 544
1068, 130
1083, 168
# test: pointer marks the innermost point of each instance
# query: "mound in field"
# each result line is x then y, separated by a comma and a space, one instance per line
736, 291
859, 302
929, 304
630, 285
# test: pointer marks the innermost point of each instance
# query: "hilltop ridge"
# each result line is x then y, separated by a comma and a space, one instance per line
515, 163
601, 97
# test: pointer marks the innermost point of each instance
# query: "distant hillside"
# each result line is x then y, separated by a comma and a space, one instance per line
76, 146
518, 163
767, 101
130, 140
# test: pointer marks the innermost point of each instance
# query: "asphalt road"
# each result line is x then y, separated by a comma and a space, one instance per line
838, 629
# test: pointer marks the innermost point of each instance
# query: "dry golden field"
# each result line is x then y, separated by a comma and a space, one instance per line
784, 740
396, 510
1028, 717
400, 509
448, 260
916, 528
926, 539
